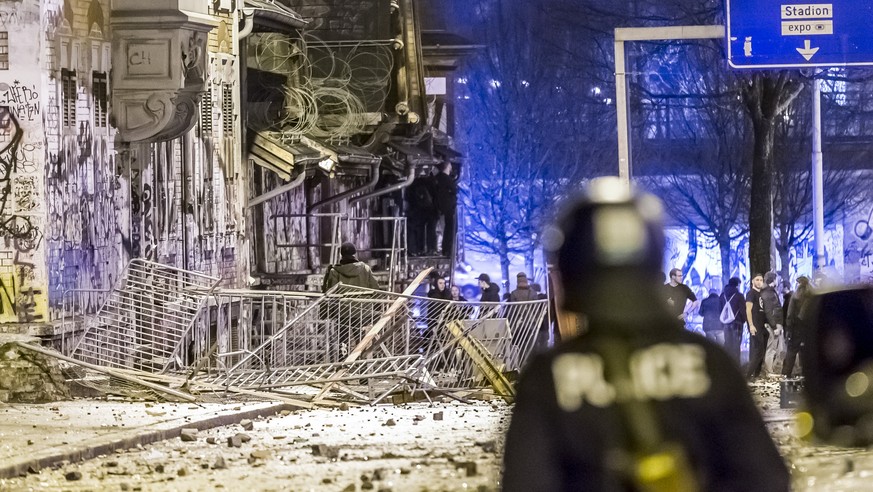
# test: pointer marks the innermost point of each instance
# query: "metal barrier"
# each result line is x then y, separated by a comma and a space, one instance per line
234, 322
462, 345
77, 307
146, 318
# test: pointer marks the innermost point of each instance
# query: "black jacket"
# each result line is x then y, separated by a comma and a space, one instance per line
491, 293
710, 312
771, 306
573, 439
737, 300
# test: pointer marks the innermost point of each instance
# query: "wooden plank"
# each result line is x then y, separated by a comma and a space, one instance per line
111, 372
483, 360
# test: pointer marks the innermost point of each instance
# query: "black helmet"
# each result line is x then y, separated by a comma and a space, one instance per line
609, 248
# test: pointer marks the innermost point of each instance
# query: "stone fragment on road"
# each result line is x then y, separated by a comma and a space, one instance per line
189, 435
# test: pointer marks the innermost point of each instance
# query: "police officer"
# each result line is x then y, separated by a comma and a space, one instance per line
635, 402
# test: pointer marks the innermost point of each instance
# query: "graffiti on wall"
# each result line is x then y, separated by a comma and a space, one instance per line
21, 100
21, 298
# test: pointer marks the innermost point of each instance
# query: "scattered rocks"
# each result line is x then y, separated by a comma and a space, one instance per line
189, 435
182, 472
390, 423
285, 413
261, 454
159, 468
73, 476
234, 441
244, 437
219, 463
247, 424
344, 406
325, 451
438, 416
211, 440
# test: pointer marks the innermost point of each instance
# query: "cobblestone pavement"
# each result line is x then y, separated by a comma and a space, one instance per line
414, 447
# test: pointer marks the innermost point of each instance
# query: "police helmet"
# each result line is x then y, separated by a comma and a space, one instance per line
608, 246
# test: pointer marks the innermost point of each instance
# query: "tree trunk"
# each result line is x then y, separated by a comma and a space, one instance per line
504, 268
761, 208
724, 248
785, 257
692, 250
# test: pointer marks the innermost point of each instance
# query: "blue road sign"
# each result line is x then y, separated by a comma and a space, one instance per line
791, 34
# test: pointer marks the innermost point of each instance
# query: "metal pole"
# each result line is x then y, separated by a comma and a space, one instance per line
624, 160
817, 186
622, 34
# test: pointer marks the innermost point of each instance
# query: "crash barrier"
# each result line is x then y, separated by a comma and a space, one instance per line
461, 345
145, 318
174, 328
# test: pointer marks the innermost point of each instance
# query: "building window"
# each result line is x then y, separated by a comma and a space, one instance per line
227, 109
4, 50
100, 89
68, 89
206, 112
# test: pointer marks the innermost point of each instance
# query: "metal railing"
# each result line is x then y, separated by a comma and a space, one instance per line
77, 307
146, 318
462, 345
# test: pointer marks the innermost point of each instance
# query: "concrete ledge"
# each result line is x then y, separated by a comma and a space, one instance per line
109, 443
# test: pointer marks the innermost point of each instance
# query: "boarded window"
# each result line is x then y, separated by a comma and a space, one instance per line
68, 90
100, 89
4, 50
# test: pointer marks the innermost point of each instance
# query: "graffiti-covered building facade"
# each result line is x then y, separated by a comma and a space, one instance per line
244, 139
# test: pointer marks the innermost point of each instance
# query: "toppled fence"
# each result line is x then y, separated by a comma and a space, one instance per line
171, 328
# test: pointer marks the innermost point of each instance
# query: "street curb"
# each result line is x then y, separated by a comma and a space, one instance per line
109, 443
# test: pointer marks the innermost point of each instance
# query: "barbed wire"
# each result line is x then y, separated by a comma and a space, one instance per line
329, 88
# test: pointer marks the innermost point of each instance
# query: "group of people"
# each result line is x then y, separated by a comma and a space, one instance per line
770, 310
428, 199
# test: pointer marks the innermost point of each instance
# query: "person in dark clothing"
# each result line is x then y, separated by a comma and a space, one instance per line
422, 215
522, 291
456, 294
677, 295
794, 324
490, 290
349, 318
762, 311
634, 389
446, 187
773, 355
712, 327
349, 271
434, 313
758, 335
438, 290
733, 331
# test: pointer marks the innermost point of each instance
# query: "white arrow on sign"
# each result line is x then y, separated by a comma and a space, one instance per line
806, 51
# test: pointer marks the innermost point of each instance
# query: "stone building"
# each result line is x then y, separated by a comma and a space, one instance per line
240, 138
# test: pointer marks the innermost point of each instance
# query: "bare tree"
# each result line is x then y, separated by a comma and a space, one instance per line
792, 203
525, 118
